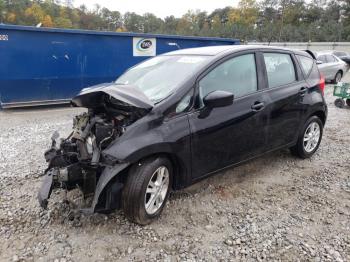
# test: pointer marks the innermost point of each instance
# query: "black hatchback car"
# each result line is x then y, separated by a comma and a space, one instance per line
179, 117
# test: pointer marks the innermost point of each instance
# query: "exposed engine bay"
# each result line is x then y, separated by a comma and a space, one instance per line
78, 160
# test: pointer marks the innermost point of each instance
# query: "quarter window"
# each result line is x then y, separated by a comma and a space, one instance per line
185, 103
280, 69
306, 64
236, 75
314, 75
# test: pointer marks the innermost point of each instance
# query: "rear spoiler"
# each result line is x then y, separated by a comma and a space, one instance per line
310, 53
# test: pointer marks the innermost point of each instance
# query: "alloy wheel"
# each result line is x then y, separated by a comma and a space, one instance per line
157, 190
312, 137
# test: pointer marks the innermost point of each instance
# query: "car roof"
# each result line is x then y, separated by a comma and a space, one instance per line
207, 50
341, 51
324, 52
330, 52
217, 50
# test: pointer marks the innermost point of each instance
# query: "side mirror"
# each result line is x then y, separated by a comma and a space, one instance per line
318, 62
218, 99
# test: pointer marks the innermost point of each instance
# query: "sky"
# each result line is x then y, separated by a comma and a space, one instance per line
159, 8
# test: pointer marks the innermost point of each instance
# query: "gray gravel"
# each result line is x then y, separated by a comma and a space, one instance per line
276, 207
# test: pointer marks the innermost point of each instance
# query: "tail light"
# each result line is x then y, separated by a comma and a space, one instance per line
322, 84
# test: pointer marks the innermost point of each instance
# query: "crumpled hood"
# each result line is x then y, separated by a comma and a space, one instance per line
93, 96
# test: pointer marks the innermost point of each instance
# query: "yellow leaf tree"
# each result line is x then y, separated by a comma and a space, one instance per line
47, 21
249, 12
35, 13
11, 17
121, 29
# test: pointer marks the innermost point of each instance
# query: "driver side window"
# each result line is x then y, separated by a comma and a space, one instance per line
236, 75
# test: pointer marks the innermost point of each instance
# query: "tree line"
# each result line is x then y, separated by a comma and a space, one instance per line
251, 20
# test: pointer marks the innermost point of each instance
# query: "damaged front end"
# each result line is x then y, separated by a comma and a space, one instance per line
79, 161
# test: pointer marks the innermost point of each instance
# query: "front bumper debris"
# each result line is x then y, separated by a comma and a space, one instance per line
109, 192
45, 190
78, 162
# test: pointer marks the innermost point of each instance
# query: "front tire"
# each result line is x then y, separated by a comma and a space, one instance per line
309, 138
147, 189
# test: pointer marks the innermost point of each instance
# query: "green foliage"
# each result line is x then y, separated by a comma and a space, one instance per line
2, 5
251, 20
63, 22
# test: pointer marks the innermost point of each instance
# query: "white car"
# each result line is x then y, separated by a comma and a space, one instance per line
330, 66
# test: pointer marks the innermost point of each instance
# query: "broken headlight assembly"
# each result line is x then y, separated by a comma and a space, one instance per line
76, 162
79, 161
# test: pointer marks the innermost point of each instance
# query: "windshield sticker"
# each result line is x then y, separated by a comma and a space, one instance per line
190, 59
151, 62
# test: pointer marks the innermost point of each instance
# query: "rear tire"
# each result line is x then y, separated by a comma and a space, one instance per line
339, 103
337, 78
308, 142
141, 183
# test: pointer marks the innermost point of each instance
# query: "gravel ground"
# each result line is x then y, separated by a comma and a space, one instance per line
276, 207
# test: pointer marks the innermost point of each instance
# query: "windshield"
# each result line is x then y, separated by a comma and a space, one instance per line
158, 77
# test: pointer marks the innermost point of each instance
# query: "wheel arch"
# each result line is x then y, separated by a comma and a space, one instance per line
321, 115
180, 175
180, 170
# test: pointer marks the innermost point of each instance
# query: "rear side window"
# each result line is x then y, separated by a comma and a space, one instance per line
330, 59
306, 64
322, 58
280, 69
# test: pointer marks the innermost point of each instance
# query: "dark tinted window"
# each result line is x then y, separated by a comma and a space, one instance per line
322, 58
280, 69
236, 75
306, 64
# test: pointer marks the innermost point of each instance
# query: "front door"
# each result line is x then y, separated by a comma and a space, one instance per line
233, 133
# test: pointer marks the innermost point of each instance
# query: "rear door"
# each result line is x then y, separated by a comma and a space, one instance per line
333, 64
285, 91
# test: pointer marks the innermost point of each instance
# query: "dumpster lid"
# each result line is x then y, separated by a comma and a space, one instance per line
92, 97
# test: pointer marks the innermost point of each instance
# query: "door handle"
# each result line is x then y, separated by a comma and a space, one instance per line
303, 91
257, 106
